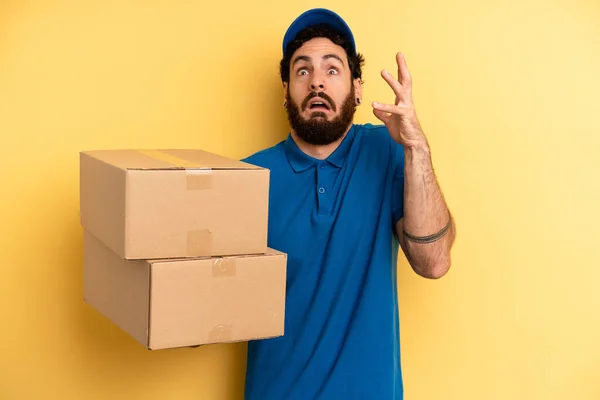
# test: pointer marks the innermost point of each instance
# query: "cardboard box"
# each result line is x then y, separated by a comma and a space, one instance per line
187, 302
150, 204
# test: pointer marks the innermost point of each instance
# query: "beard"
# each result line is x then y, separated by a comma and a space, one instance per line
317, 130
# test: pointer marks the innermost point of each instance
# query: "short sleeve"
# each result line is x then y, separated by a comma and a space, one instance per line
397, 154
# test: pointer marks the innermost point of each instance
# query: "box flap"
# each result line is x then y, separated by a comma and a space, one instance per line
167, 159
269, 252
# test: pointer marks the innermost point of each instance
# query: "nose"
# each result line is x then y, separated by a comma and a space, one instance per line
317, 83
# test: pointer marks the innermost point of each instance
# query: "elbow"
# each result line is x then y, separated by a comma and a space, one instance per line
433, 269
438, 270
429, 261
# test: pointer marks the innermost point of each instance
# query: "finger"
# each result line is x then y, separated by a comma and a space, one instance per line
404, 76
382, 116
399, 109
399, 91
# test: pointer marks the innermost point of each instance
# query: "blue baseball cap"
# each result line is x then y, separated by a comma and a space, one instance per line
314, 17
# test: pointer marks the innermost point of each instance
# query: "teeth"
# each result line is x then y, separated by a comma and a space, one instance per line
318, 103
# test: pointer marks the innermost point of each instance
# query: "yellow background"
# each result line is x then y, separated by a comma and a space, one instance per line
508, 92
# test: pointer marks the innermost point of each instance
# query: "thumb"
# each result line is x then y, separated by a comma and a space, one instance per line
381, 115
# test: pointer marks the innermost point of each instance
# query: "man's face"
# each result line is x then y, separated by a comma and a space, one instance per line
321, 93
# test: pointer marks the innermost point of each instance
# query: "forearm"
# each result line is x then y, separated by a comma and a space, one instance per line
425, 211
425, 214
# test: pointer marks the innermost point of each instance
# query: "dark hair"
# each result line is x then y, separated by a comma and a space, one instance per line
355, 61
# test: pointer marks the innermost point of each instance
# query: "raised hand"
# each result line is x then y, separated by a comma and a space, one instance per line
400, 118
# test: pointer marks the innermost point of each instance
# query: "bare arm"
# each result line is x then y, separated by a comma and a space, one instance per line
426, 232
427, 220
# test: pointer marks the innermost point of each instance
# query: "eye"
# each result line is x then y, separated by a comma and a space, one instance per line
332, 71
302, 71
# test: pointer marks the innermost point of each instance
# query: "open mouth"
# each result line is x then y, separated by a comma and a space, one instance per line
319, 106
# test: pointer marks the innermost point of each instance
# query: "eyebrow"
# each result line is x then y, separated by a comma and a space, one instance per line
301, 58
325, 57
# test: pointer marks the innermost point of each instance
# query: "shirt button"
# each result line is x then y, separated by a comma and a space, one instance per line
322, 166
321, 190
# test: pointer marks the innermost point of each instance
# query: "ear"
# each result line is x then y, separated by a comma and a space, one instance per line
285, 94
357, 88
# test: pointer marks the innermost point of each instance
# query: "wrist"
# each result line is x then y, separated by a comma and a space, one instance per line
417, 149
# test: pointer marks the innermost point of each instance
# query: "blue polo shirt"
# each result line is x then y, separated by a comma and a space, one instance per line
335, 220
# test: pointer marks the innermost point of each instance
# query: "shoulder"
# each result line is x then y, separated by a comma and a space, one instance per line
267, 157
373, 135
377, 139
378, 130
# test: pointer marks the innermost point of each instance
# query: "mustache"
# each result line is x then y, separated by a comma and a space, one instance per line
322, 95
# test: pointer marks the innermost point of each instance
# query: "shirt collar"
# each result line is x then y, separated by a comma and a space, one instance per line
300, 161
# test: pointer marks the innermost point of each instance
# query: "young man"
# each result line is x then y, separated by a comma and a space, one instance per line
343, 198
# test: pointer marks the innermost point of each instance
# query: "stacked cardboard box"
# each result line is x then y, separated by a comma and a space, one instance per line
175, 247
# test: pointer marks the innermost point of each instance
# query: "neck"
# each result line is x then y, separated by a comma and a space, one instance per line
318, 151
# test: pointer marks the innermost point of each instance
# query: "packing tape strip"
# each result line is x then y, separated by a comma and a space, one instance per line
199, 243
224, 267
220, 333
172, 160
198, 177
